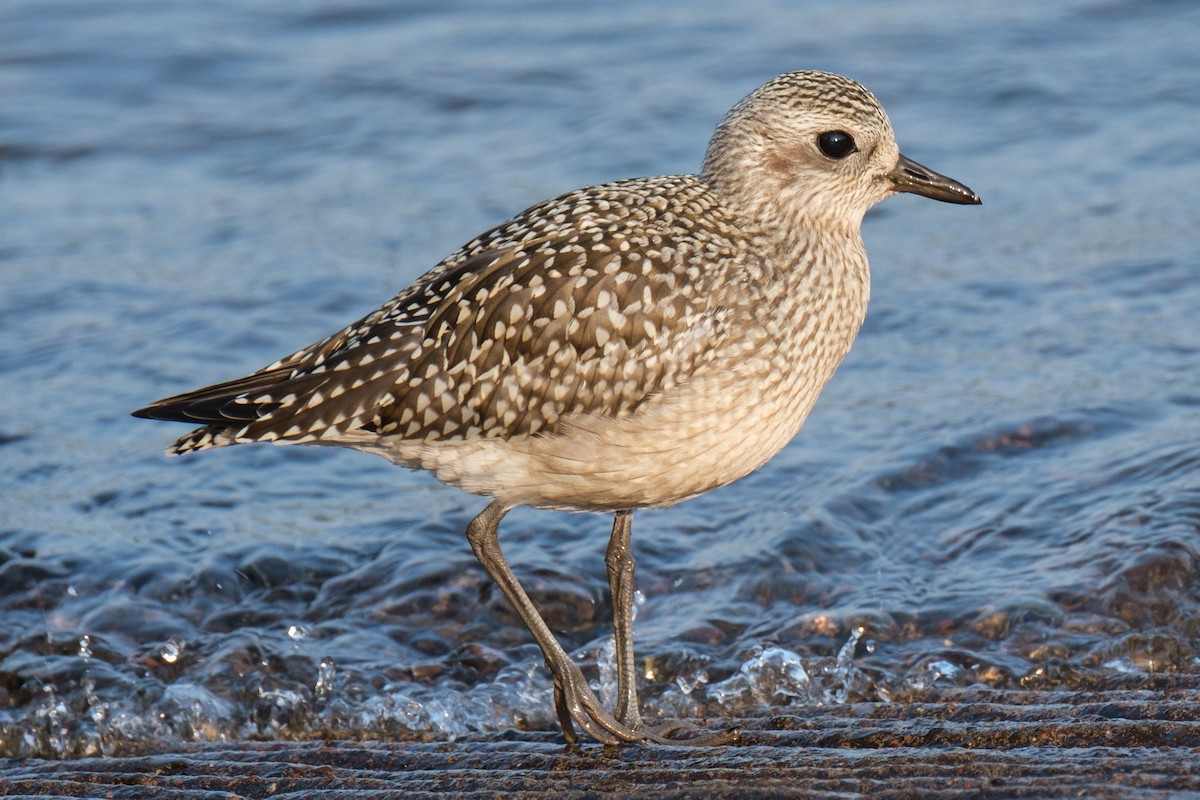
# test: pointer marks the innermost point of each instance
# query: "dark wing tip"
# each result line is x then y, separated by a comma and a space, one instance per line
155, 411
219, 404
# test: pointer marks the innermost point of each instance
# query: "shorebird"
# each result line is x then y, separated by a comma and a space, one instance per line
622, 346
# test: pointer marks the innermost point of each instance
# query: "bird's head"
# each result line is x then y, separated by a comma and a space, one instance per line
820, 146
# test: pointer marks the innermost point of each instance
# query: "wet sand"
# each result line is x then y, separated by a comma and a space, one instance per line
1140, 740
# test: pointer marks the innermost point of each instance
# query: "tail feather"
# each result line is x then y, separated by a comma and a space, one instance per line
203, 439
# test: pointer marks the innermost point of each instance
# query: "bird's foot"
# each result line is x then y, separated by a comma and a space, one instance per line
577, 704
682, 733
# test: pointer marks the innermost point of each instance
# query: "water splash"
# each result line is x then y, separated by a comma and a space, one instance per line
842, 675
605, 685
773, 676
689, 680
326, 674
930, 673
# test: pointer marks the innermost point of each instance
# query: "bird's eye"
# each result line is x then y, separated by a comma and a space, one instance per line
836, 144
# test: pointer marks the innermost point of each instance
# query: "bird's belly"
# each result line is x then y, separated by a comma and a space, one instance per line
703, 436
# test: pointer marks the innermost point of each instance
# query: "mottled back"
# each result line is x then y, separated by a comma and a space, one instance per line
590, 302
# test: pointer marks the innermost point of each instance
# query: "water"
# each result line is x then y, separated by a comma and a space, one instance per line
999, 487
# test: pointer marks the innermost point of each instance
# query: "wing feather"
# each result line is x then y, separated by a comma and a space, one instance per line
587, 304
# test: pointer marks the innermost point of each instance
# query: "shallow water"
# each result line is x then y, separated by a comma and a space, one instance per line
999, 487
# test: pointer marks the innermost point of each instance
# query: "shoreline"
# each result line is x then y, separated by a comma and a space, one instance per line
1127, 743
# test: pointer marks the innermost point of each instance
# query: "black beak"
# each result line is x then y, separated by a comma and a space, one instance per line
909, 176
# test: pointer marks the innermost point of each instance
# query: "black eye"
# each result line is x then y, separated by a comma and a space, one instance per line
836, 144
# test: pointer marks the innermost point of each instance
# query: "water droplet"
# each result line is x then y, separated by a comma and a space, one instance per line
298, 632
85, 646
170, 650
71, 590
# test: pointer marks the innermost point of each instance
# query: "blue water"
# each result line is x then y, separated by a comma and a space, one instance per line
999, 486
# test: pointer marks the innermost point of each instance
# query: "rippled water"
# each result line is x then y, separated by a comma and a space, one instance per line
999, 487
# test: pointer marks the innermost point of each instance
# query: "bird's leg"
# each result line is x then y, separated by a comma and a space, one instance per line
619, 561
573, 698
564, 713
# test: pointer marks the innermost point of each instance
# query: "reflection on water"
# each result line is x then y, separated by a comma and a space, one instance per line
998, 488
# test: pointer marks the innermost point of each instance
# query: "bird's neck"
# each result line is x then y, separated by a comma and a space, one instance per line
812, 258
